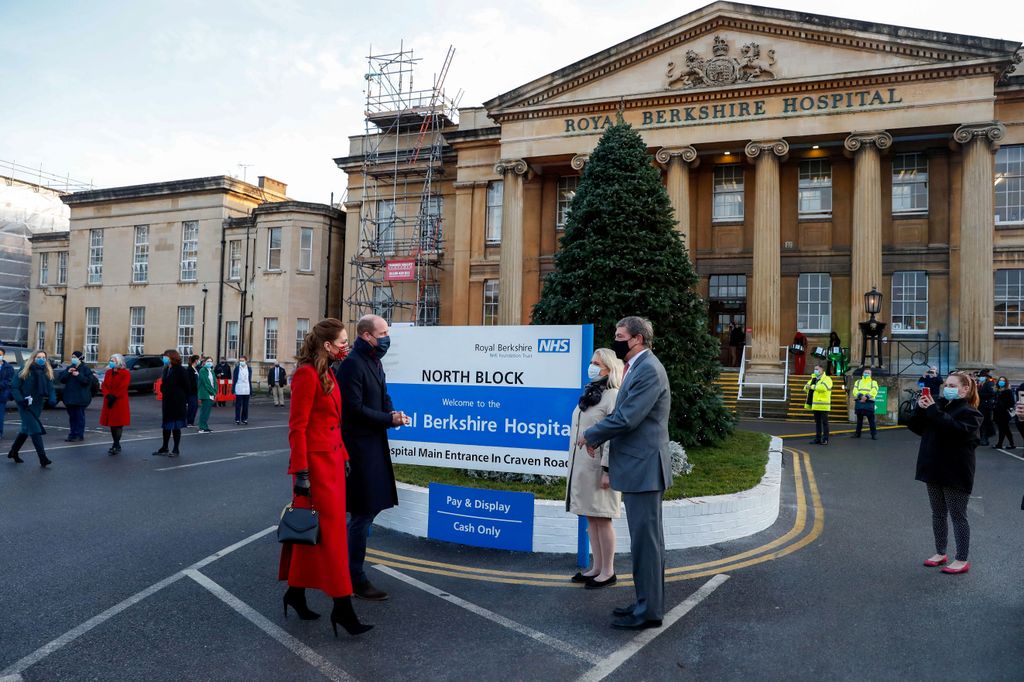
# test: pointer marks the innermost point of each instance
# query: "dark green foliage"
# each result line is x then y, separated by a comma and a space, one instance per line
620, 255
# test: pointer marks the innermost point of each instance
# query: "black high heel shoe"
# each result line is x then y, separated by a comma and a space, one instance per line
345, 616
295, 597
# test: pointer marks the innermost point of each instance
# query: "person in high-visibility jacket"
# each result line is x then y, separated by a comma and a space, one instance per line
864, 392
819, 401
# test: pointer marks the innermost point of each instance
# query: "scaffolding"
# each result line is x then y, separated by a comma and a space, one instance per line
396, 269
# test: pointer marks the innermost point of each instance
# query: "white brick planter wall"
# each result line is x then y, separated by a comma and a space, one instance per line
692, 522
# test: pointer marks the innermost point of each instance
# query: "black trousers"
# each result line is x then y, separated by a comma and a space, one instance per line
871, 421
1004, 432
821, 425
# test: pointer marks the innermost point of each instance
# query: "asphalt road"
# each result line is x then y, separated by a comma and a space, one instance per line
119, 569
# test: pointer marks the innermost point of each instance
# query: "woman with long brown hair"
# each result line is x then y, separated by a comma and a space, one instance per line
30, 389
317, 462
949, 428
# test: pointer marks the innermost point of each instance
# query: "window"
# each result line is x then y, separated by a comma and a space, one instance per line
40, 336
306, 249
140, 260
728, 194
490, 301
58, 339
383, 302
186, 330
92, 333
270, 338
231, 338
910, 183
495, 196
430, 304
62, 267
567, 185
727, 287
910, 302
95, 257
814, 303
189, 250
274, 249
1009, 299
235, 259
137, 331
301, 329
815, 191
44, 269
1010, 184
431, 233
386, 226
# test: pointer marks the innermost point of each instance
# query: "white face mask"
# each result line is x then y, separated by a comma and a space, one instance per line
593, 372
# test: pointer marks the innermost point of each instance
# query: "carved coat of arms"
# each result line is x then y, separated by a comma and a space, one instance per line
721, 69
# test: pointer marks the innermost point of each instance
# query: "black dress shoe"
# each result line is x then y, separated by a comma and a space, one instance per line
856, 435
634, 623
598, 584
874, 437
624, 610
815, 442
161, 453
580, 578
366, 590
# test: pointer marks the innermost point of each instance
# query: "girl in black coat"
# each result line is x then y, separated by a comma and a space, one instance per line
948, 426
1006, 402
174, 406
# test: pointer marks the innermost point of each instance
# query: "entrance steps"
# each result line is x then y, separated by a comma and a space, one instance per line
793, 408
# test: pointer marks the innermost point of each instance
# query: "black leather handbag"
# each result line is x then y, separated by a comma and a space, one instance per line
298, 526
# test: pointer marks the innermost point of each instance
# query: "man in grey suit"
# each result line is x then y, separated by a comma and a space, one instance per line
639, 465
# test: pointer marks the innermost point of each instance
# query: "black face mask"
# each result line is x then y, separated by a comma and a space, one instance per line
621, 348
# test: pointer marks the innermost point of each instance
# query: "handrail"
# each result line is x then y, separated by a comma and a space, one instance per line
761, 400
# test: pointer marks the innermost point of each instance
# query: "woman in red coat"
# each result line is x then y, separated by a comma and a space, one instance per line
115, 412
317, 461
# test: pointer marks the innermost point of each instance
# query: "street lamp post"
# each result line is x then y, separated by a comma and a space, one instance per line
871, 332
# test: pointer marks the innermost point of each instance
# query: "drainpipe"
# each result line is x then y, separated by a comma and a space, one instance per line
330, 244
220, 285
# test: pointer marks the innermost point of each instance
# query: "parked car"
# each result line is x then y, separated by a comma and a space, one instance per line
144, 369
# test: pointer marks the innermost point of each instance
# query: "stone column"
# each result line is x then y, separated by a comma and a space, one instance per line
765, 301
510, 268
866, 240
678, 161
977, 217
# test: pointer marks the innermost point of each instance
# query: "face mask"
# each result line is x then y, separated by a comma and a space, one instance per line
339, 352
950, 393
383, 343
112, 364
243, 363
1001, 384
1, 359
208, 365
817, 372
166, 360
41, 362
867, 375
593, 372
621, 348
75, 361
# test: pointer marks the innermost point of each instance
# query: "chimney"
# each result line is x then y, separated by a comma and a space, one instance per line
272, 185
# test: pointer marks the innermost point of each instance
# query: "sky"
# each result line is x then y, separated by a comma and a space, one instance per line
127, 92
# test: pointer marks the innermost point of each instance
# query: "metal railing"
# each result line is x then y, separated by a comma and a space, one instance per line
911, 355
761, 400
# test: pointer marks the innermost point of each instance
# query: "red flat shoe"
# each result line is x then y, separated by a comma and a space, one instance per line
932, 564
966, 567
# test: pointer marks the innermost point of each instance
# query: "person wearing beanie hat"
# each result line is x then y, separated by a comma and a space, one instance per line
77, 379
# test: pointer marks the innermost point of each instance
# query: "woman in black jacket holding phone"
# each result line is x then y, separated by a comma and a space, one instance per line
949, 429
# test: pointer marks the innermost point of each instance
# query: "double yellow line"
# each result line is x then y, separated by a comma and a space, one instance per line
796, 538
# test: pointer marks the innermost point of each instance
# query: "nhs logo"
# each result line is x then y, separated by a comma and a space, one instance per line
552, 345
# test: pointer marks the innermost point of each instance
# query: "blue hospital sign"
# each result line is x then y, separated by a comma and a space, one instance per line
482, 518
493, 398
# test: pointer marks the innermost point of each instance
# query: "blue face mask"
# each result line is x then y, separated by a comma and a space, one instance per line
112, 364
41, 362
1001, 384
209, 365
950, 393
166, 360
75, 362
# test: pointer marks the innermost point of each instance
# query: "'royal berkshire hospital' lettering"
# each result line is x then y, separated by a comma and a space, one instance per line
853, 99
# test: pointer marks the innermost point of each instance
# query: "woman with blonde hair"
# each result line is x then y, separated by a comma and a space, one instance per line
949, 428
588, 492
30, 390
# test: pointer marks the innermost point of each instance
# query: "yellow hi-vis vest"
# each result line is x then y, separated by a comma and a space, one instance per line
865, 387
822, 397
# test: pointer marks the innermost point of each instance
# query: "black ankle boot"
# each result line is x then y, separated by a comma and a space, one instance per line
295, 597
44, 461
345, 616
15, 457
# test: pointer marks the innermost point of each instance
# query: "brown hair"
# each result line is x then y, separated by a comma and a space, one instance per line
313, 353
971, 384
175, 357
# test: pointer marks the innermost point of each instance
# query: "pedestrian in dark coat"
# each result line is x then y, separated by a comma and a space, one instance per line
174, 407
1019, 417
369, 414
77, 380
116, 413
6, 377
222, 372
193, 390
986, 405
948, 426
31, 388
1002, 413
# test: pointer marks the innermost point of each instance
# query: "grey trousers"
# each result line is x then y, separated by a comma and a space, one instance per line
647, 545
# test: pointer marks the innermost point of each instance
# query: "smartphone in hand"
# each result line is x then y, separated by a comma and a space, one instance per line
926, 391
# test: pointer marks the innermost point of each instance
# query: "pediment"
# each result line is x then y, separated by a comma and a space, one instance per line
728, 45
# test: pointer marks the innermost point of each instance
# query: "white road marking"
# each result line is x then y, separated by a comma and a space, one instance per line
42, 652
157, 436
493, 617
301, 650
244, 455
610, 664
1010, 454
12, 678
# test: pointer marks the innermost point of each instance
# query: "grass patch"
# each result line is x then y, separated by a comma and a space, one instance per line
736, 464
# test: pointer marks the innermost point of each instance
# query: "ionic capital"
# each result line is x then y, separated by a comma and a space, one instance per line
879, 139
686, 154
993, 131
778, 147
579, 161
515, 166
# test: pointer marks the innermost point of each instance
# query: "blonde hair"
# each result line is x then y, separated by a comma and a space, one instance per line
972, 387
23, 374
607, 358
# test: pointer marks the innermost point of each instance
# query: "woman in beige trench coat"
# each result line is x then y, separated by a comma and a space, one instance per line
587, 489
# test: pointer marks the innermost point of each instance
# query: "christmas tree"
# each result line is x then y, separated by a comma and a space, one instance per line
621, 255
